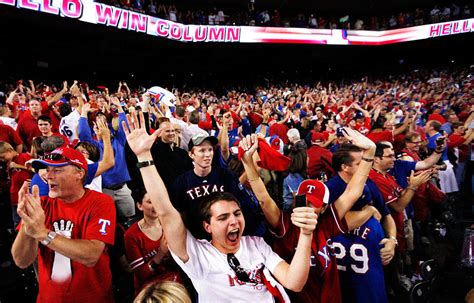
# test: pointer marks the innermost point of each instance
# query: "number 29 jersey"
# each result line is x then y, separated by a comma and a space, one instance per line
359, 263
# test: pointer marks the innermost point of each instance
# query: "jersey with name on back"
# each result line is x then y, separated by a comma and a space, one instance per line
360, 266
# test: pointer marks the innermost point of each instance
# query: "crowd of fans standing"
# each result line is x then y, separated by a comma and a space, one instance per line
419, 154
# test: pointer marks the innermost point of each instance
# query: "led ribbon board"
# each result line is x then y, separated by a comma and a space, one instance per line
98, 13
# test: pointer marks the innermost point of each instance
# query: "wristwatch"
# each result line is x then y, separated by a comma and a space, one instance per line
145, 163
49, 238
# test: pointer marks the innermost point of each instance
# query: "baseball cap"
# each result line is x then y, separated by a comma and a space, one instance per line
359, 115
61, 157
317, 137
197, 139
316, 192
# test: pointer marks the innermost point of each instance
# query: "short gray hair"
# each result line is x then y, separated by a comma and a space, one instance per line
293, 134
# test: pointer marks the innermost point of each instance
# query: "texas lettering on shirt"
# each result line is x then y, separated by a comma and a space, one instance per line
204, 190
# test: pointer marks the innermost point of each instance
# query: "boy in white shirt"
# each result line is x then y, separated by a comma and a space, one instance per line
230, 268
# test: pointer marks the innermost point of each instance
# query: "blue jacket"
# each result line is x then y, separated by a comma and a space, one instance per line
119, 173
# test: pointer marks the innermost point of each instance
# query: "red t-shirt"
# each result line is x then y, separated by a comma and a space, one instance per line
390, 190
255, 120
140, 250
398, 142
8, 134
92, 217
456, 140
319, 159
323, 280
364, 128
385, 135
28, 129
18, 176
280, 130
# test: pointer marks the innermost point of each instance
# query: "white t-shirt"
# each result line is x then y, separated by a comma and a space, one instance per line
9, 121
96, 183
68, 125
214, 279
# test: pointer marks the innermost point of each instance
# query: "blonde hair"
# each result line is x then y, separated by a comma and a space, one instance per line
163, 292
5, 147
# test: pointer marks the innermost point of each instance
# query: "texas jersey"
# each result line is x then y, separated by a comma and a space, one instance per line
359, 263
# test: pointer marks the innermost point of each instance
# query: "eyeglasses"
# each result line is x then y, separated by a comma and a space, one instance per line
389, 156
239, 271
415, 142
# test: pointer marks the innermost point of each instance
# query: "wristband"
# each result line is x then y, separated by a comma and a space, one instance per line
438, 152
412, 188
368, 160
145, 164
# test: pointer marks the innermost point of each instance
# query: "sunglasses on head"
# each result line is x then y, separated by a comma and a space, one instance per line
238, 270
55, 157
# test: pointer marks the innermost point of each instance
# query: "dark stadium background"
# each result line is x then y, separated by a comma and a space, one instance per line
77, 50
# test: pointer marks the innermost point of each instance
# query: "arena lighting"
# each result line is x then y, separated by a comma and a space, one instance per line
98, 13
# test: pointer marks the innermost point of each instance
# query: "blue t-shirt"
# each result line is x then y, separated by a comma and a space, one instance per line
401, 171
370, 196
42, 185
91, 170
246, 127
290, 186
432, 145
360, 265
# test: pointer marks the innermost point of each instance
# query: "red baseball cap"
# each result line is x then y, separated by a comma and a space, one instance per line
316, 192
61, 157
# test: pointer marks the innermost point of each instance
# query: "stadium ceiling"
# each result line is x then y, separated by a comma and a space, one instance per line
362, 7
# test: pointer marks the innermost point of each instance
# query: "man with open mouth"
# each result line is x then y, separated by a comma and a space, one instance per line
68, 230
230, 267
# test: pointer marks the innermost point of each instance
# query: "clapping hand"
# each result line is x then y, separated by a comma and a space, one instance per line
416, 179
30, 211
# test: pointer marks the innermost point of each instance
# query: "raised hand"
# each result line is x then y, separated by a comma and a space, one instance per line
249, 144
305, 218
358, 139
137, 137
103, 130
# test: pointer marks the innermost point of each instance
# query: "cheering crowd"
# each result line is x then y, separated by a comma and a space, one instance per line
309, 193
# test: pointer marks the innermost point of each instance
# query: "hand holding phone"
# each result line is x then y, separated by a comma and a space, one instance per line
439, 141
300, 201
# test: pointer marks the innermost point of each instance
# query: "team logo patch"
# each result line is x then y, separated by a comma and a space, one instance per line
104, 223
